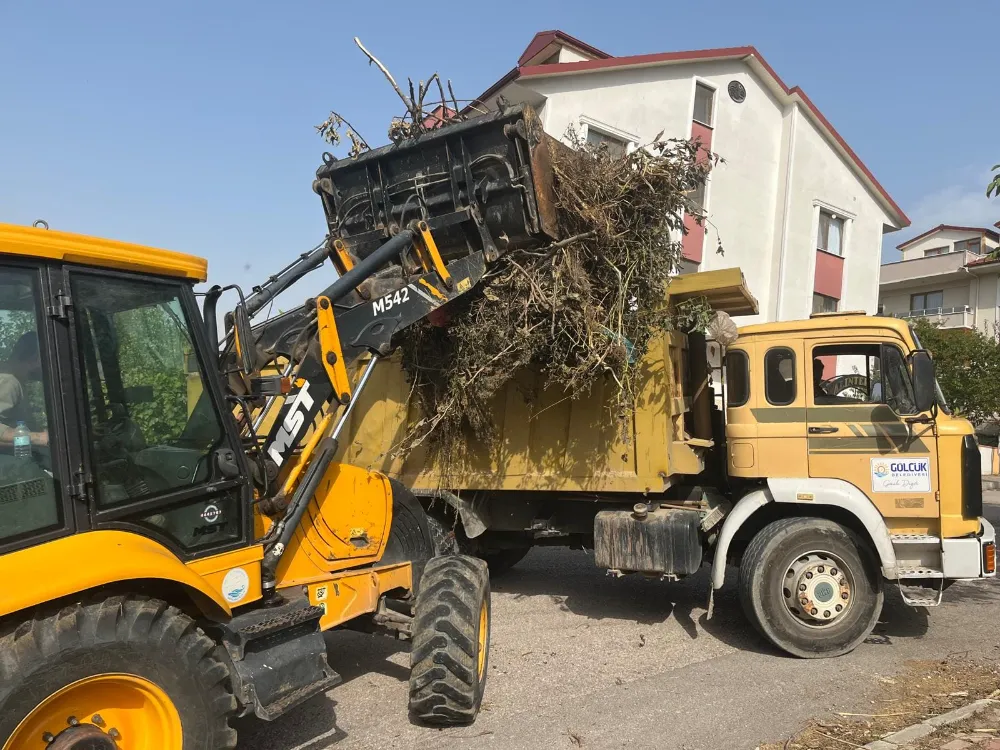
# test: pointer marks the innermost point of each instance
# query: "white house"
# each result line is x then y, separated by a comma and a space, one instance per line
949, 275
794, 206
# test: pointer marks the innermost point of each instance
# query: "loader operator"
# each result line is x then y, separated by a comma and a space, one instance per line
24, 365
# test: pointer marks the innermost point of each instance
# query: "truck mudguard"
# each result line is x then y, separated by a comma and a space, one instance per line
806, 492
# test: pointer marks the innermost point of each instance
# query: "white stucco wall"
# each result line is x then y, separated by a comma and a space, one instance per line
746, 195
821, 179
742, 197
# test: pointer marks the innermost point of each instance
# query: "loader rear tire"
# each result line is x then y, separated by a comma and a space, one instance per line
451, 637
69, 672
814, 561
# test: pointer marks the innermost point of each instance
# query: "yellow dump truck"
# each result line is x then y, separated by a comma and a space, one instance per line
837, 468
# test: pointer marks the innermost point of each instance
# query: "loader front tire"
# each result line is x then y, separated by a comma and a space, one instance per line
451, 638
77, 674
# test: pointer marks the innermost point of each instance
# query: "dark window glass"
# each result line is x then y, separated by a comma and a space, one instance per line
737, 378
198, 524
779, 376
927, 301
29, 497
824, 304
143, 381
704, 98
596, 139
847, 374
896, 379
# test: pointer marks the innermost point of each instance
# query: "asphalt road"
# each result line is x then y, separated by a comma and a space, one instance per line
582, 660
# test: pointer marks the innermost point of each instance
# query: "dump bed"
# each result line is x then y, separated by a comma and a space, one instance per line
554, 442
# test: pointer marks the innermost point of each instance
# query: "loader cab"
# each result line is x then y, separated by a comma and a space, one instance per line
851, 397
122, 406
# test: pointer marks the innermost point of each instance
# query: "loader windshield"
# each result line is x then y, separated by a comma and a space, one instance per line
143, 381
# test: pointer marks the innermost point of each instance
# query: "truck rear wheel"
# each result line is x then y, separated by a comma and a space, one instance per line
119, 672
811, 587
451, 641
501, 560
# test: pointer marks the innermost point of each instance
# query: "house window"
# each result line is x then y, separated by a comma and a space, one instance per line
936, 251
926, 301
704, 101
615, 146
969, 246
824, 304
831, 233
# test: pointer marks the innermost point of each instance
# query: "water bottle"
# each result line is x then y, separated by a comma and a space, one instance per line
22, 442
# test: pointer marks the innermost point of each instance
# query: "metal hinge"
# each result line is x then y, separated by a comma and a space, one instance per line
78, 488
60, 307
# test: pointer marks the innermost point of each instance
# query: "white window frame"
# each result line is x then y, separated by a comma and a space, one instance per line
695, 83
587, 123
845, 244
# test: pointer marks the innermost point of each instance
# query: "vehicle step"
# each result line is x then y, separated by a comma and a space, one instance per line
914, 539
902, 573
272, 711
921, 596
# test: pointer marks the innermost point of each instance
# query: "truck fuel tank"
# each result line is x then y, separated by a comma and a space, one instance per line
640, 540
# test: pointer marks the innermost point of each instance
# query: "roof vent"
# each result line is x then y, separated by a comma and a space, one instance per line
737, 92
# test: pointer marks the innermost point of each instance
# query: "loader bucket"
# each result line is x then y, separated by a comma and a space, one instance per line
483, 184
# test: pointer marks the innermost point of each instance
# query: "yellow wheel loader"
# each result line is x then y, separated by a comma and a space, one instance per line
176, 533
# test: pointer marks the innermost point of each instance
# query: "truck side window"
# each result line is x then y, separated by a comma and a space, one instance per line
847, 374
737, 378
779, 376
896, 377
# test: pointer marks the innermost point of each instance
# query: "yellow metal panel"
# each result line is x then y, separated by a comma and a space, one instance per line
726, 290
352, 593
214, 569
67, 566
93, 251
346, 524
550, 443
951, 432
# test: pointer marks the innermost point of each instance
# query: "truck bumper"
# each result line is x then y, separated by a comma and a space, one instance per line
971, 557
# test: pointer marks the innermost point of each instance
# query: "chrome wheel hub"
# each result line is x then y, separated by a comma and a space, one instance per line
817, 588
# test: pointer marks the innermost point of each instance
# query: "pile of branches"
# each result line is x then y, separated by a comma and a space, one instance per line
581, 309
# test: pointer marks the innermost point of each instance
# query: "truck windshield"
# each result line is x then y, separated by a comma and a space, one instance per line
938, 393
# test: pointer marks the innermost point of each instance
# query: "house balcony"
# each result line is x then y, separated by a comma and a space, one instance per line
962, 316
943, 267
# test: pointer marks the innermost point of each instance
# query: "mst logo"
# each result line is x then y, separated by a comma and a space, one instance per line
291, 425
389, 301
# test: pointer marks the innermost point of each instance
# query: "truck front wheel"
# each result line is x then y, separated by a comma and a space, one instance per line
811, 587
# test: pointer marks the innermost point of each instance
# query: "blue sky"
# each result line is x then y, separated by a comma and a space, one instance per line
189, 125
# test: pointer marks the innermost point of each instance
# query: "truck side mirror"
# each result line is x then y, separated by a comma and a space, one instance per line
922, 369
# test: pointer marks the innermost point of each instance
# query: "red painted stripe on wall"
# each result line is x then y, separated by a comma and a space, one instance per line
829, 280
693, 245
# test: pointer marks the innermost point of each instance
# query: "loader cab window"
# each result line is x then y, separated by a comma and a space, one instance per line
737, 378
29, 496
142, 381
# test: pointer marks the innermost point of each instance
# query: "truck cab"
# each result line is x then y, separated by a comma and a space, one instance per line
839, 418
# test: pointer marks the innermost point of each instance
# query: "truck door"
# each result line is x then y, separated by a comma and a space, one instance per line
858, 402
162, 460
